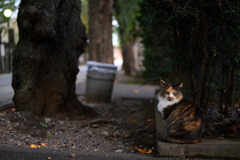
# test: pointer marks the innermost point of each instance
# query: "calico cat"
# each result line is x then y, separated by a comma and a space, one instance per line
184, 120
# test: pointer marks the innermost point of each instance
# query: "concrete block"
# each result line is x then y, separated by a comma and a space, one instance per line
170, 150
214, 148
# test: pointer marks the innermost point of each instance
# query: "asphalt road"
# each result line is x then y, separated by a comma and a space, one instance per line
119, 89
53, 154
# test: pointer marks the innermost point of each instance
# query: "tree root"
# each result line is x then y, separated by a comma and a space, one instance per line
98, 121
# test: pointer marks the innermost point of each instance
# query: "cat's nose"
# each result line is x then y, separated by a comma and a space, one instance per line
170, 98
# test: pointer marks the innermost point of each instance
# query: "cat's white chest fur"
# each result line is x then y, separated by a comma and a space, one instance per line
163, 103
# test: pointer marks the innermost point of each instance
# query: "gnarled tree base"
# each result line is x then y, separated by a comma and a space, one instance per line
51, 39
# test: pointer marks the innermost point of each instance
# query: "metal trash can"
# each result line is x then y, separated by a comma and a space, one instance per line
100, 80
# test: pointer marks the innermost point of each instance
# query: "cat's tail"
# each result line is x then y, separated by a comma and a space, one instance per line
162, 136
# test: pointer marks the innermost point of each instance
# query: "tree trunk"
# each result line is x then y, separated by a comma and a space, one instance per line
51, 39
100, 31
128, 60
202, 94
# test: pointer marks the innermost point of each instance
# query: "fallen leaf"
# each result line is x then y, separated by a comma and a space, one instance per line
151, 120
133, 121
136, 91
144, 151
149, 151
73, 155
12, 109
34, 146
49, 158
136, 148
43, 144
234, 130
126, 135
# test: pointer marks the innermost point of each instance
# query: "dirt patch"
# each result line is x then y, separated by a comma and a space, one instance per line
124, 125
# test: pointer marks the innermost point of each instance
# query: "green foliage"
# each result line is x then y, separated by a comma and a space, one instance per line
158, 20
84, 14
126, 12
6, 4
157, 47
197, 40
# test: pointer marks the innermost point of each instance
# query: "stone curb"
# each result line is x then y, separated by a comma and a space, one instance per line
208, 148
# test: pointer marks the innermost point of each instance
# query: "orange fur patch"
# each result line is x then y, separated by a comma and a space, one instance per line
170, 89
194, 141
163, 81
195, 125
186, 141
198, 123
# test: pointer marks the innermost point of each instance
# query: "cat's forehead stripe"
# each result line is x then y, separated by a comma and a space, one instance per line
171, 89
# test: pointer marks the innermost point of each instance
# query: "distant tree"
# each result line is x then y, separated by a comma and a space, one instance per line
126, 14
100, 31
84, 14
51, 38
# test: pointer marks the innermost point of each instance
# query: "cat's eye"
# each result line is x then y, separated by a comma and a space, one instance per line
167, 92
174, 93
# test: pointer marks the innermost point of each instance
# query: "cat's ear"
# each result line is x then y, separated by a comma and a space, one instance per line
163, 84
179, 85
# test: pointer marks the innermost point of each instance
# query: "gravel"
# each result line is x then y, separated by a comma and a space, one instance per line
18, 130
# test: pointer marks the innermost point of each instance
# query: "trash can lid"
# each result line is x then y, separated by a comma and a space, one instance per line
101, 65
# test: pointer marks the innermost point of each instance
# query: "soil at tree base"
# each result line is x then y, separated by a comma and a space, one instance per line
124, 125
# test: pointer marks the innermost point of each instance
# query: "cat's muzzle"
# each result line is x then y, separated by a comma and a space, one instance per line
170, 98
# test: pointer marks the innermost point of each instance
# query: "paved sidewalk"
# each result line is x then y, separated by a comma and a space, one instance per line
6, 91
120, 89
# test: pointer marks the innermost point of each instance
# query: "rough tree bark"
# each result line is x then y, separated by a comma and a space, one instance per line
100, 31
128, 59
52, 37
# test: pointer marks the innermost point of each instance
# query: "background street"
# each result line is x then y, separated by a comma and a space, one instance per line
120, 89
